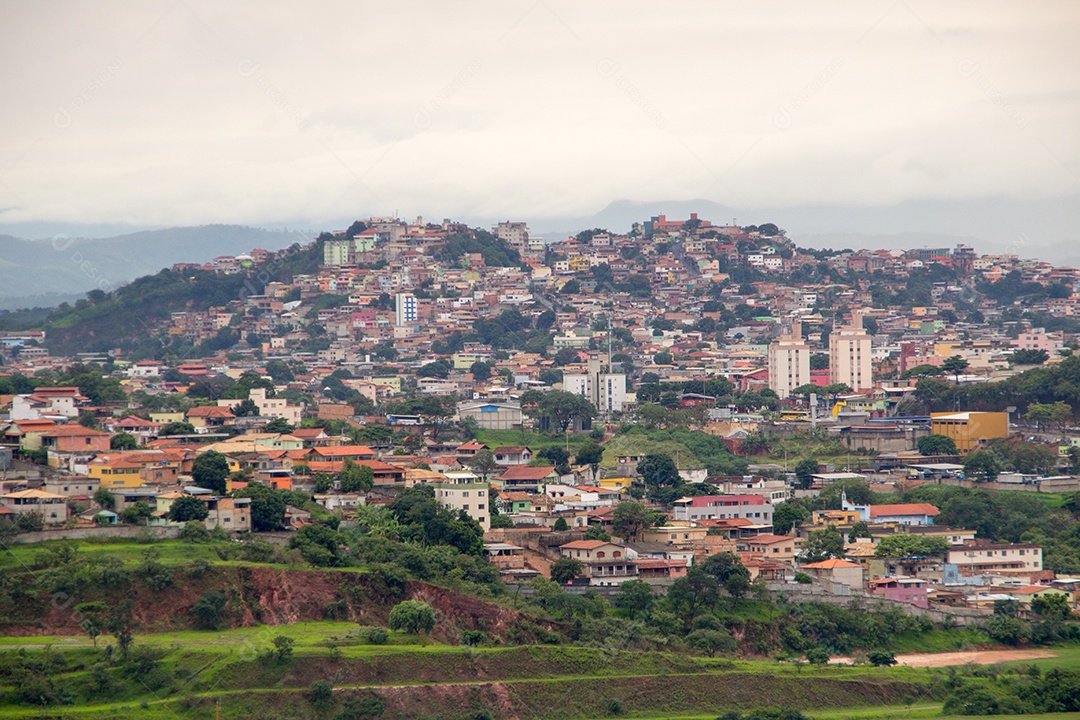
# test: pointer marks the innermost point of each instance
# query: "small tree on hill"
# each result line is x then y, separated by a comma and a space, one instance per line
804, 470
412, 616
355, 478
936, 445
657, 469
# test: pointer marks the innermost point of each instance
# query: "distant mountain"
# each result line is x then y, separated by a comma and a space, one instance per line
1044, 229
62, 269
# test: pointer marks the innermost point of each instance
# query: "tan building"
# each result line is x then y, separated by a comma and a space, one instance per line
676, 534
789, 361
849, 355
464, 491
969, 430
837, 571
53, 507
984, 558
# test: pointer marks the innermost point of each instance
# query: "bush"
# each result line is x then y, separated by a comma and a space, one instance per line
412, 616
372, 635
614, 707
473, 637
209, 610
283, 647
321, 693
817, 656
803, 579
194, 531
881, 658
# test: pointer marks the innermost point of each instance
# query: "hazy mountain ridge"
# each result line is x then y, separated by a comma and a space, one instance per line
48, 272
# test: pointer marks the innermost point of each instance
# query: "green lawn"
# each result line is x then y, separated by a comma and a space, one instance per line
534, 440
172, 552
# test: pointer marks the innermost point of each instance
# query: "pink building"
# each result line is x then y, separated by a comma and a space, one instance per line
1038, 339
900, 589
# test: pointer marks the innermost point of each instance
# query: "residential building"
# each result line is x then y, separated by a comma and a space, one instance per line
850, 361
789, 361
462, 490
606, 563
718, 507
406, 309
978, 557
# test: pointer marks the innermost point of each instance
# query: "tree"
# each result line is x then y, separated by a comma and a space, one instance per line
563, 408
480, 370
566, 569
121, 624
246, 408
631, 518
660, 470
1051, 607
355, 478
267, 507
817, 656
635, 596
935, 444
209, 609
93, 620
283, 647
88, 419
983, 465
711, 641
123, 441
663, 358
188, 508
412, 616
177, 428
590, 454
104, 498
860, 529
279, 425
136, 513
881, 658
483, 463
1028, 357
786, 516
321, 694
210, 470
955, 365
279, 371
560, 525
904, 545
823, 544
804, 469
319, 544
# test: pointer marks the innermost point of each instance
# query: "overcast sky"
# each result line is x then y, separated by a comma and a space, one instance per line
186, 112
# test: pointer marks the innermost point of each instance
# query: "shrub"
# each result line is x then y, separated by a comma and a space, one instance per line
881, 658
817, 656
802, 578
614, 707
321, 693
372, 635
473, 637
194, 531
283, 647
412, 616
209, 609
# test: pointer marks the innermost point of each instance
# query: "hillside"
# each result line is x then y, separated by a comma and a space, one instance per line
44, 273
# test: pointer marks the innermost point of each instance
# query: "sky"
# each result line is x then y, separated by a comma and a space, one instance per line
183, 112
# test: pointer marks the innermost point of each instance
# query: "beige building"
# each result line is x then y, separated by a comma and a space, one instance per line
789, 361
985, 558
464, 491
849, 355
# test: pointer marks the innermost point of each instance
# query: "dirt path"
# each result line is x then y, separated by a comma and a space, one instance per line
976, 657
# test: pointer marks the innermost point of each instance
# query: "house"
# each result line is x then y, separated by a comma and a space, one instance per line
527, 478
464, 491
661, 571
605, 563
340, 453
72, 486
777, 548
469, 449
505, 556
913, 591
205, 417
836, 571
980, 557
115, 471
506, 455
719, 507
53, 507
676, 533
917, 514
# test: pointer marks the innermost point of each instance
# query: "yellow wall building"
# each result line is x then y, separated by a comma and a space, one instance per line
970, 429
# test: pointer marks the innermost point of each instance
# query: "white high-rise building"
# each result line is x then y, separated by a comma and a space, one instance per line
849, 355
789, 361
606, 390
406, 310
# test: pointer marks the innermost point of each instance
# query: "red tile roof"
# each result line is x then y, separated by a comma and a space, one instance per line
903, 509
527, 472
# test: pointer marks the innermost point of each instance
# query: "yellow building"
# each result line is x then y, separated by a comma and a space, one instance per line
115, 472
676, 534
969, 430
616, 483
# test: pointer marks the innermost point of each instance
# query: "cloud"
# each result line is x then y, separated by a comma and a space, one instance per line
194, 112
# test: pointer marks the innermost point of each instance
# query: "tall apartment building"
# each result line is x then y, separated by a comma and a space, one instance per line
463, 490
606, 390
406, 310
849, 355
789, 361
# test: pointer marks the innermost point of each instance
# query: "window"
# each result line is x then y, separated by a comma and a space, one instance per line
480, 506
600, 554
